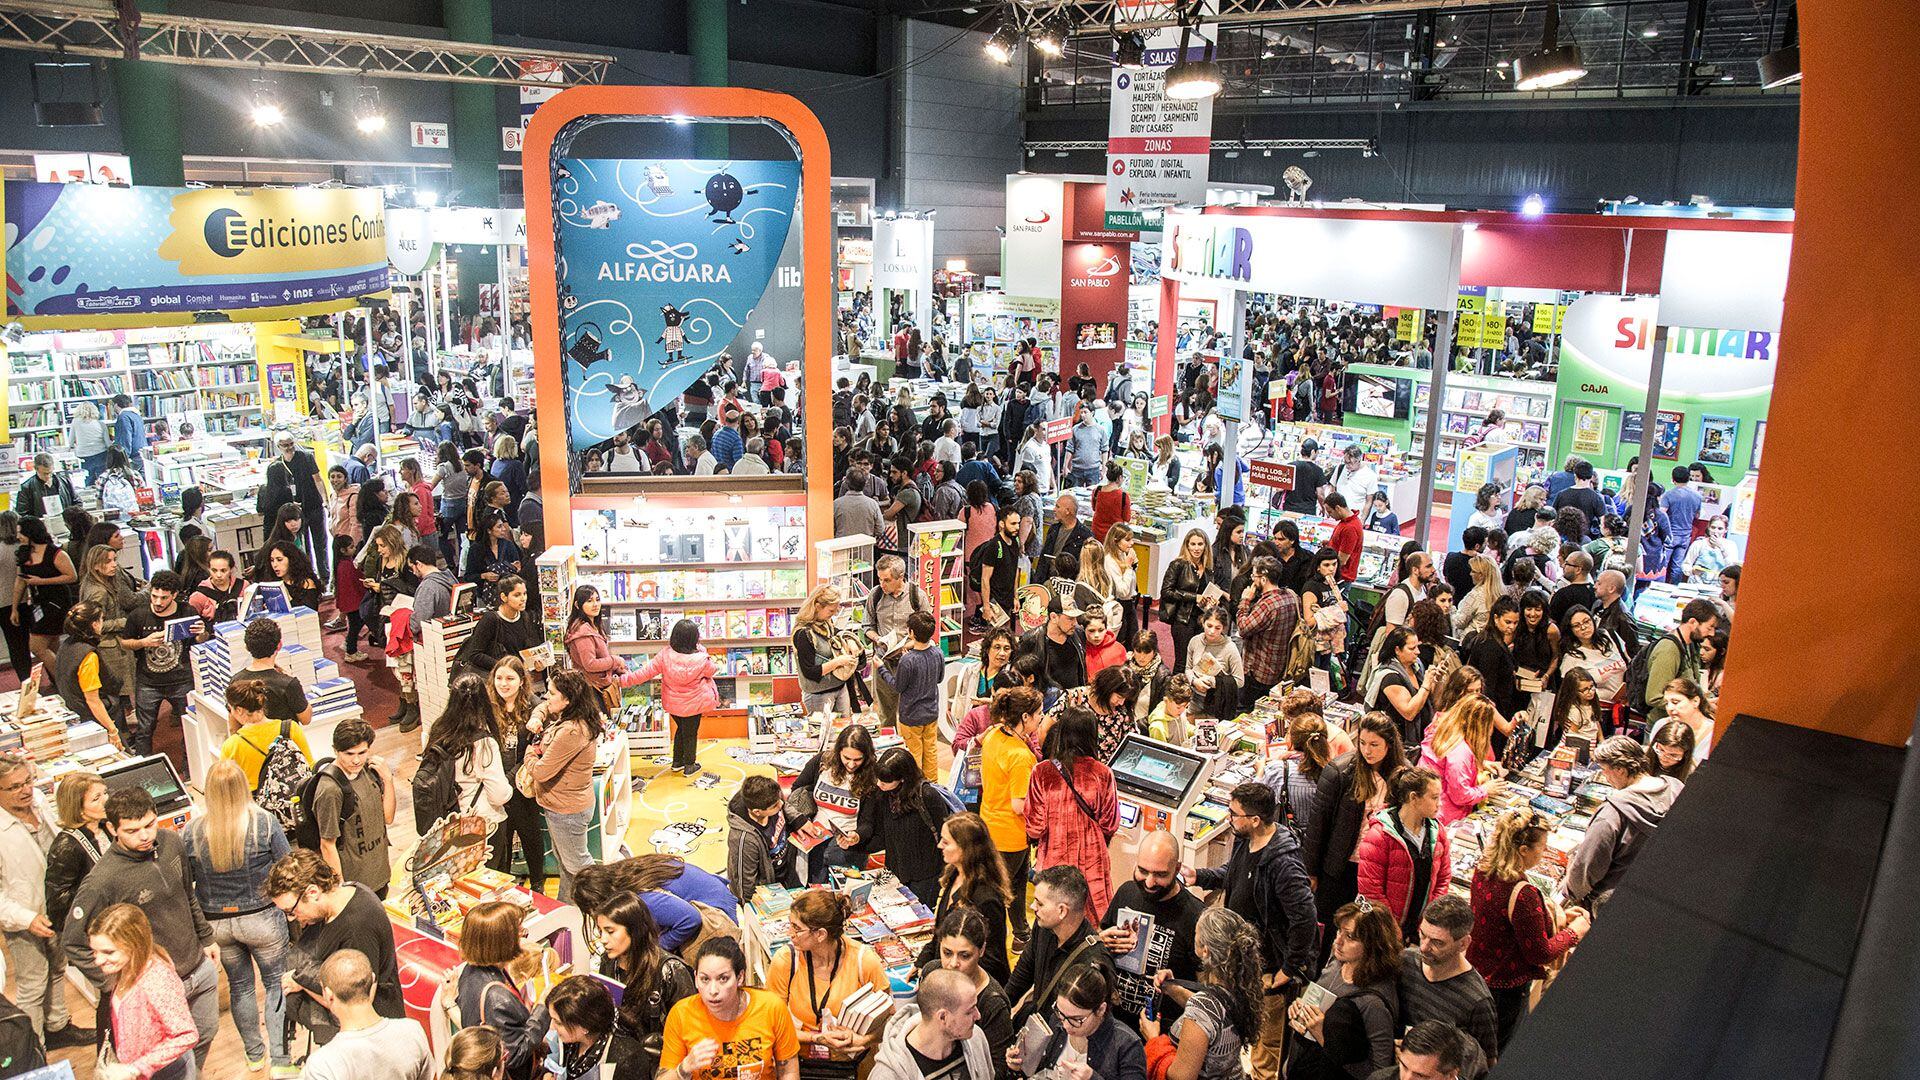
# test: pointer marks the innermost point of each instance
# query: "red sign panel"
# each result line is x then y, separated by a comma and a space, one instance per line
1059, 429
1271, 474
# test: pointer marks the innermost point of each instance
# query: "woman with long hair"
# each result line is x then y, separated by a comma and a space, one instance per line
1295, 778
1689, 705
1491, 652
491, 951
1517, 932
1577, 709
1472, 610
973, 877
1584, 645
1670, 753
1457, 750
996, 652
510, 699
289, 566
404, 515
1072, 808
903, 818
493, 556
87, 685
1713, 664
1402, 687
837, 780
149, 1028
191, 564
1221, 1014
343, 500
570, 724
1122, 563
829, 679
655, 980
232, 847
1353, 788
106, 586
383, 566
1536, 644
43, 591
817, 972
370, 505
80, 804
1354, 1036
510, 629
1181, 589
687, 687
466, 736
592, 654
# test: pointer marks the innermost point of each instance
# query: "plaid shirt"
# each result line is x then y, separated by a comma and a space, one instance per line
1266, 629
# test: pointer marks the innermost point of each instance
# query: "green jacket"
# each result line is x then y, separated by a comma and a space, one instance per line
1670, 660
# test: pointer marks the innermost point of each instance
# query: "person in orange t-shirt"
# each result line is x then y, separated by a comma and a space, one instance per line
727, 1031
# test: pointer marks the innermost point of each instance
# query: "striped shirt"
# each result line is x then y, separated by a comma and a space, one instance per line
1463, 1001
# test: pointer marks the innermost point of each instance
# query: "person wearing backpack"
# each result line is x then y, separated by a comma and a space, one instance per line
272, 754
888, 604
1676, 655
903, 820
350, 801
461, 769
233, 847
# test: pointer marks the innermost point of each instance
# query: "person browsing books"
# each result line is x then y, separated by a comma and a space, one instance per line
217, 597
1063, 938
902, 818
888, 605
157, 634
1082, 1020
1150, 925
687, 688
819, 973
507, 630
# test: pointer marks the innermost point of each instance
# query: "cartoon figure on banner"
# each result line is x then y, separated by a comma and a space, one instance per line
586, 348
673, 337
629, 404
724, 195
657, 181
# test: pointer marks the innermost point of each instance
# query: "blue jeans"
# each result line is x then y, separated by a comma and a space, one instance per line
250, 942
1083, 478
568, 835
146, 712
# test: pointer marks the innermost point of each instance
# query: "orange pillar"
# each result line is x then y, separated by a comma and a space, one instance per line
1826, 634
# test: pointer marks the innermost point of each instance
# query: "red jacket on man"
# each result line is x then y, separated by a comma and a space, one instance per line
1386, 865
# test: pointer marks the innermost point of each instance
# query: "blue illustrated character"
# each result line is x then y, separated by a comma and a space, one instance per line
660, 263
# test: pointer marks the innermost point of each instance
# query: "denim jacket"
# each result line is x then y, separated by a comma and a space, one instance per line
241, 891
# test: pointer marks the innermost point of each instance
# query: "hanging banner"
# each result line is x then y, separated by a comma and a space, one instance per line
903, 254
1273, 474
1548, 317
537, 71
107, 256
1236, 385
410, 246
1409, 325
1157, 147
659, 265
1493, 327
1036, 214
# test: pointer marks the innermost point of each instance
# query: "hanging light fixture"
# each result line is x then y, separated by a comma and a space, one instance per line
1190, 80
266, 103
1129, 49
999, 48
1554, 65
1782, 66
368, 116
1050, 34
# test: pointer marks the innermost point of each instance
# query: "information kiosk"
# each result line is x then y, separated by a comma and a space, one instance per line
1158, 784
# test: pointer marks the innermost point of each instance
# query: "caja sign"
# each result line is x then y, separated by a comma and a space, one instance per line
1612, 338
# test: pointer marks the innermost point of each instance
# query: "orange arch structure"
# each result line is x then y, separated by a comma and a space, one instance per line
799, 124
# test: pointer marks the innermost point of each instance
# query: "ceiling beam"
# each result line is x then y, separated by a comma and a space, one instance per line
1097, 16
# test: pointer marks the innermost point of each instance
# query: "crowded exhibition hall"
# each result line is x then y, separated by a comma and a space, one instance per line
922, 540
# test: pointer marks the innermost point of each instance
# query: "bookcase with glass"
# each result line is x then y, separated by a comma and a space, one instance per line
936, 563
737, 573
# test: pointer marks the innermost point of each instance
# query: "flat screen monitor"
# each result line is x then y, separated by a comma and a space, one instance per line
156, 775
1155, 771
1097, 335
1378, 396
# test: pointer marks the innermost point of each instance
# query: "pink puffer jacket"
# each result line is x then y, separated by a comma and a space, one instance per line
686, 681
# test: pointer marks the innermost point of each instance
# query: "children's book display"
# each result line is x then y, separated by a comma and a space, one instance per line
887, 917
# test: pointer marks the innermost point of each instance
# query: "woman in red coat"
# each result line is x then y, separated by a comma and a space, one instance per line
1404, 858
1111, 503
1072, 808
1515, 934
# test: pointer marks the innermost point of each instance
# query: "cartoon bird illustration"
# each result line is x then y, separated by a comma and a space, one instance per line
678, 838
601, 215
739, 247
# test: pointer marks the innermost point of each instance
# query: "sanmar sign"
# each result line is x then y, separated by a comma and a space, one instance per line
1212, 251
1613, 335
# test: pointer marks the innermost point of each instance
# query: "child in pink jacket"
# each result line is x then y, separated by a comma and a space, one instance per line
687, 689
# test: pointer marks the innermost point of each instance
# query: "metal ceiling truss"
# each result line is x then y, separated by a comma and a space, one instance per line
1367, 147
81, 29
1091, 17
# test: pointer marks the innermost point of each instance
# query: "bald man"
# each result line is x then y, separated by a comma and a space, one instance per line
1610, 609
1157, 893
938, 1037
369, 1046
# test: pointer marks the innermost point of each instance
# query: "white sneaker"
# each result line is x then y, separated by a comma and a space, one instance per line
356, 657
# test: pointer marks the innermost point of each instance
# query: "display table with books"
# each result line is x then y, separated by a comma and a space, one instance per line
887, 917
331, 694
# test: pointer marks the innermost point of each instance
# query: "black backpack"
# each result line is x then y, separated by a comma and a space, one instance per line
436, 787
20, 1048
307, 833
1633, 685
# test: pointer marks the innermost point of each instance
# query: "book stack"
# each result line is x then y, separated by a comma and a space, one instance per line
774, 728
215, 661
43, 736
435, 646
333, 700
862, 1012
298, 660
85, 735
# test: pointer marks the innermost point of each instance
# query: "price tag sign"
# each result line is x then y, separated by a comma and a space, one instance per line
1059, 429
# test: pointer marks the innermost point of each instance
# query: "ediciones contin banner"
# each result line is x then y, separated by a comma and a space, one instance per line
98, 252
660, 263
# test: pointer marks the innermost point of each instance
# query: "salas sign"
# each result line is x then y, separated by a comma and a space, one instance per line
1614, 336
1158, 147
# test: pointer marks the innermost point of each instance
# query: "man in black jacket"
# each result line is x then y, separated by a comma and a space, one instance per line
1610, 609
1458, 567
295, 477
1266, 884
1060, 551
147, 867
1062, 937
31, 500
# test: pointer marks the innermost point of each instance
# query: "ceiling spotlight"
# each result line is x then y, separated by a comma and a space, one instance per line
1297, 182
1533, 206
1554, 65
1191, 80
368, 116
1650, 32
999, 48
266, 103
1129, 49
1782, 66
1050, 35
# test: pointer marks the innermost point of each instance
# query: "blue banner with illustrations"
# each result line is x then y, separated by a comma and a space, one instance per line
660, 263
